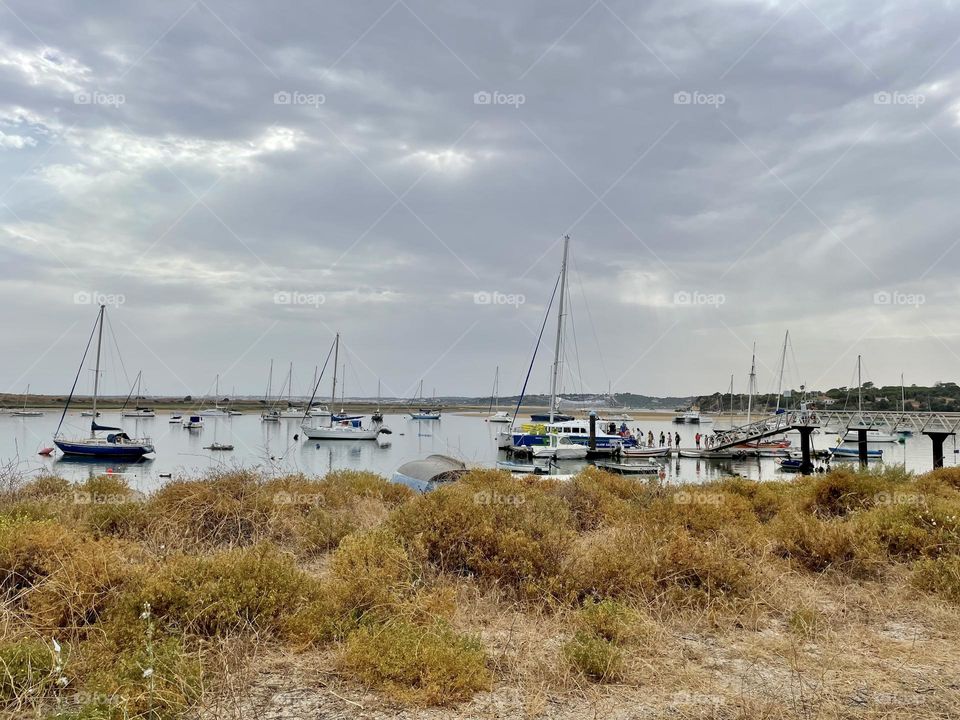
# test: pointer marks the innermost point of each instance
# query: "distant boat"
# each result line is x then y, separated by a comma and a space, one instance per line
216, 410
645, 452
732, 454
873, 436
193, 422
631, 468
219, 446
88, 413
175, 418
139, 411
424, 413
854, 453
271, 414
498, 416
352, 429
24, 412
117, 445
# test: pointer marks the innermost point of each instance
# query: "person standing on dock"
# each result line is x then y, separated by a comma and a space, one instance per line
663, 438
677, 443
697, 438
650, 439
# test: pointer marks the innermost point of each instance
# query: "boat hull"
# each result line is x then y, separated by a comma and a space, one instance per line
645, 452
78, 448
340, 434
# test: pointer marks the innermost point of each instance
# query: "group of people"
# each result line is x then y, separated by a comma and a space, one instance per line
670, 440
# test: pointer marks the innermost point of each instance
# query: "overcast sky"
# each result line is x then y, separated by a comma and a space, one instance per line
239, 180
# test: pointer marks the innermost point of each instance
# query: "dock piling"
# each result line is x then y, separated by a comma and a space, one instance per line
937, 438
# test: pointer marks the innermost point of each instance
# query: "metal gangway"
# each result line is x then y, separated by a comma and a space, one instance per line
936, 425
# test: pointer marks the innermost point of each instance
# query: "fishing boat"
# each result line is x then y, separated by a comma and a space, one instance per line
193, 422
645, 452
116, 444
498, 415
345, 429
24, 411
560, 447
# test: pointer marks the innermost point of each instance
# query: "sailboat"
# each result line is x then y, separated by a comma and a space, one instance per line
534, 435
873, 435
216, 410
291, 411
116, 445
498, 416
902, 429
424, 413
139, 411
378, 414
271, 414
23, 412
351, 429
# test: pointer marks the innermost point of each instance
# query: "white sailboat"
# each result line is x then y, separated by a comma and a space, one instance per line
498, 416
424, 413
291, 410
269, 414
351, 429
24, 412
216, 410
139, 411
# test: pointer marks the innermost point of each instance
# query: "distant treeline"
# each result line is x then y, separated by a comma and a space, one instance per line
941, 397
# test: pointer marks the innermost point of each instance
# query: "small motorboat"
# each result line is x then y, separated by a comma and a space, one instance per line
175, 419
852, 453
500, 417
194, 422
649, 468
731, 454
423, 414
89, 413
560, 448
789, 464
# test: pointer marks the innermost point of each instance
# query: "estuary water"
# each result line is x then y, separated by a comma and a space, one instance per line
271, 448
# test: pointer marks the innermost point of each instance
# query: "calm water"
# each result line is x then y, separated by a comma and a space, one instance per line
270, 447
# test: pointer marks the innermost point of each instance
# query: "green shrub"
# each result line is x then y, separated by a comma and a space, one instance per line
426, 665
940, 576
26, 671
843, 491
607, 619
817, 544
594, 657
31, 549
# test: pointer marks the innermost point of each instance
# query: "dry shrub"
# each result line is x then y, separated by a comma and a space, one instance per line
843, 491
421, 664
30, 550
596, 497
369, 571
767, 499
616, 562
82, 585
514, 533
817, 544
916, 526
245, 589
608, 619
226, 509
947, 476
940, 576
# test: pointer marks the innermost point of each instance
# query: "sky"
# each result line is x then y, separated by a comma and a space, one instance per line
238, 181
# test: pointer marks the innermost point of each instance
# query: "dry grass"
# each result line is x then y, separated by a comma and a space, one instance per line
831, 596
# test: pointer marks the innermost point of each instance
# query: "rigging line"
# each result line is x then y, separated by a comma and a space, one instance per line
543, 326
77, 378
576, 348
593, 326
113, 336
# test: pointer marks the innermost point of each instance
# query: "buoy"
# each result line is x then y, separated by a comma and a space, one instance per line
46, 452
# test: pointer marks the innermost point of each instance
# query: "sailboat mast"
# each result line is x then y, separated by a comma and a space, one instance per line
270, 382
783, 362
496, 389
336, 360
859, 386
556, 347
903, 397
753, 378
96, 373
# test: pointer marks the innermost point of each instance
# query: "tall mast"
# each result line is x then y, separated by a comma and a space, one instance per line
783, 361
859, 387
753, 378
731, 399
289, 384
496, 389
556, 347
96, 373
903, 397
216, 390
336, 359
270, 381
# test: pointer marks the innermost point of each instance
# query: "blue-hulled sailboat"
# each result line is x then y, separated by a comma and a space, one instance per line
115, 444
